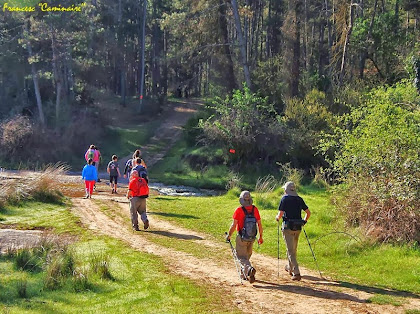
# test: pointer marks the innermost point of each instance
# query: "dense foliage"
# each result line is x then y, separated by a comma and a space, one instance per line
378, 160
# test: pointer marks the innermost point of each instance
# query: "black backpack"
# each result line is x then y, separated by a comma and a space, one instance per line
249, 231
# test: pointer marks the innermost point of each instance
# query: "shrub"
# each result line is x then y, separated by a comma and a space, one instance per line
248, 124
378, 161
15, 134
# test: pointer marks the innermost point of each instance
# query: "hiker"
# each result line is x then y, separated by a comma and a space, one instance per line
290, 208
97, 159
89, 174
90, 153
137, 193
245, 221
114, 173
137, 154
142, 171
132, 163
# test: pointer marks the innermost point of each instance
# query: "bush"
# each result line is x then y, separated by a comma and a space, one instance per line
378, 161
248, 124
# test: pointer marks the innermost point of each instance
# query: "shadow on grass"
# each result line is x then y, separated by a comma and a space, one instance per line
176, 235
174, 215
166, 198
368, 289
376, 290
304, 290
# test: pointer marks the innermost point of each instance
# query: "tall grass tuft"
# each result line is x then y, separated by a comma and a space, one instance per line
26, 259
80, 280
100, 265
234, 181
264, 187
42, 186
21, 286
291, 174
60, 265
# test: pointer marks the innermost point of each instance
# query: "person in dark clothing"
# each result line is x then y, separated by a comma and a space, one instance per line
290, 208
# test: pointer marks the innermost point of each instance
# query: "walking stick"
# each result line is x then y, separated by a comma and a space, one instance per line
313, 254
236, 260
278, 249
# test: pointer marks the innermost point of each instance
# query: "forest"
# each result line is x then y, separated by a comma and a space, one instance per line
329, 87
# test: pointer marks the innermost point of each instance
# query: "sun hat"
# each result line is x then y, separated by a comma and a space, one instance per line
290, 188
245, 198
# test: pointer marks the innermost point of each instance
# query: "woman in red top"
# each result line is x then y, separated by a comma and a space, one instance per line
244, 246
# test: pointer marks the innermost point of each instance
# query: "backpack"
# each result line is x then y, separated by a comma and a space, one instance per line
249, 231
141, 170
143, 188
91, 154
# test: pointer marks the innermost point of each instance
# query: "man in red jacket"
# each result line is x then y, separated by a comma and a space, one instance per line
244, 216
137, 193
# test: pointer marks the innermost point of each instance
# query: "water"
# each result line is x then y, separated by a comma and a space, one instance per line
181, 190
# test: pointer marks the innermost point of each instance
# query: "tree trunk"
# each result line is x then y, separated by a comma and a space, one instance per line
34, 77
228, 71
241, 43
346, 44
364, 52
57, 77
295, 71
143, 47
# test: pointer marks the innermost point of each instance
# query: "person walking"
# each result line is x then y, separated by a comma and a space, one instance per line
89, 174
137, 193
290, 207
97, 159
246, 218
90, 153
114, 173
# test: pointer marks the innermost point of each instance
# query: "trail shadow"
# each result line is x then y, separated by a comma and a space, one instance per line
304, 290
176, 235
174, 215
312, 278
377, 290
165, 198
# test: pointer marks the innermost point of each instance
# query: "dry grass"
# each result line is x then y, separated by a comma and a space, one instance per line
41, 186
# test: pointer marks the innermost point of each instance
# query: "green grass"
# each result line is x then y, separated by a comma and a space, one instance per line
136, 280
28, 215
174, 169
344, 255
124, 141
140, 281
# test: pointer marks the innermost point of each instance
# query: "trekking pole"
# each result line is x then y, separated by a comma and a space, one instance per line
313, 254
278, 249
235, 259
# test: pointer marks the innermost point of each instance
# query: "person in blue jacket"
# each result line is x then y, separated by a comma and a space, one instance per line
90, 175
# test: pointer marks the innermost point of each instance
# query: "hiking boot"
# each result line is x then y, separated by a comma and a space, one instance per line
136, 228
296, 277
251, 274
146, 224
287, 268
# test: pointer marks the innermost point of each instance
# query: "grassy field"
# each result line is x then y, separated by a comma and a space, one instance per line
341, 253
135, 281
